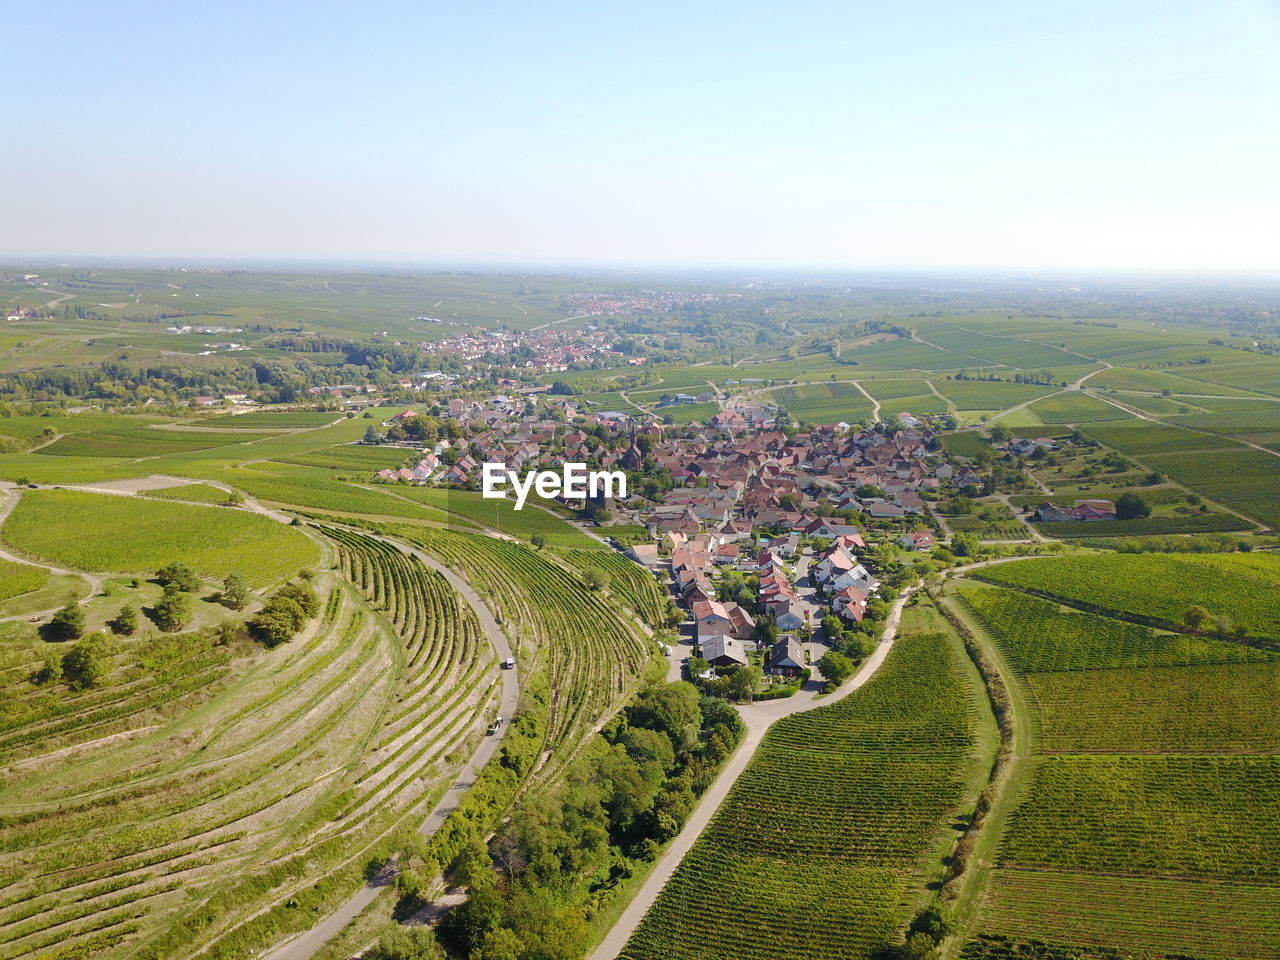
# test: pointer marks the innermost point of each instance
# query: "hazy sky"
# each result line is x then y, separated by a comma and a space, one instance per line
1119, 133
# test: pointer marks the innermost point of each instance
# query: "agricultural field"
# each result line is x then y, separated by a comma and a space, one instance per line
836, 824
19, 578
215, 788
988, 395
1155, 777
592, 651
824, 402
136, 534
1076, 408
1244, 588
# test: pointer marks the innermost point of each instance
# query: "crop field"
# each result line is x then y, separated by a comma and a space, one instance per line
826, 833
1243, 587
592, 651
135, 534
1038, 636
903, 354
1182, 816
886, 389
19, 578
688, 412
966, 443
214, 781
921, 405
626, 580
1226, 707
1240, 478
1090, 916
989, 395
1137, 437
824, 402
1146, 826
1076, 408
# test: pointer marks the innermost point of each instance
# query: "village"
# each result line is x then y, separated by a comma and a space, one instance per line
771, 540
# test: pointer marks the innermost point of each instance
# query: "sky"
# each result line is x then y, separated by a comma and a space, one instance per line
1111, 135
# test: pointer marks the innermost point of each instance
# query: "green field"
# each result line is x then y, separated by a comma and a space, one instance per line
134, 534
1245, 588
1076, 408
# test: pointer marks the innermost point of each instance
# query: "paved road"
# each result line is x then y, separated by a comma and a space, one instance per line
758, 717
310, 943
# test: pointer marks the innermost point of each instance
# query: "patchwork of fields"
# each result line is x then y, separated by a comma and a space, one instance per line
1147, 827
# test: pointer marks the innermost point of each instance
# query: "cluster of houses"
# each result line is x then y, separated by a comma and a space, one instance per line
552, 350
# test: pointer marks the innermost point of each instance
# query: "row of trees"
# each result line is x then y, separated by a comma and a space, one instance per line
530, 888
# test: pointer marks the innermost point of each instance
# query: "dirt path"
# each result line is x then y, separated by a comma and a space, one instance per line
875, 404
11, 501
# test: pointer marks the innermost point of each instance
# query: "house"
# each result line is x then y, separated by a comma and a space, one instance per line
850, 604
711, 619
644, 553
786, 658
917, 540
1083, 510
723, 652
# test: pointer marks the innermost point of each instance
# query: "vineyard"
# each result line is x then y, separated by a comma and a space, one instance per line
19, 578
139, 534
826, 836
1147, 826
202, 780
1037, 635
1076, 408
592, 653
1244, 588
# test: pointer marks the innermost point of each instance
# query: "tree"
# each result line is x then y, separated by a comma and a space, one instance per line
303, 595
279, 619
66, 624
836, 667
1195, 617
235, 592
964, 545
596, 579
371, 435
180, 574
173, 610
234, 498
539, 541
85, 664
743, 683
126, 621
1131, 506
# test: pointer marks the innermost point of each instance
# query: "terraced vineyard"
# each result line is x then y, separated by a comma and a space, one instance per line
208, 794
592, 652
1147, 829
828, 835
